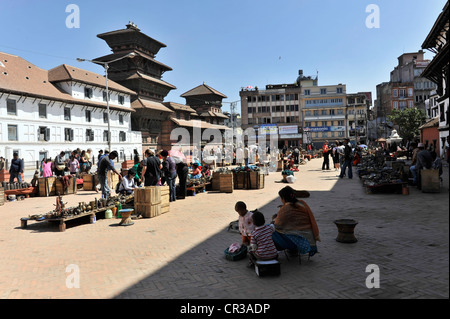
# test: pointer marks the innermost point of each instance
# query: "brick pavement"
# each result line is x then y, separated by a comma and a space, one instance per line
179, 255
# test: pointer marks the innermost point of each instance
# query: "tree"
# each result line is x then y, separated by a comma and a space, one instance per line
408, 121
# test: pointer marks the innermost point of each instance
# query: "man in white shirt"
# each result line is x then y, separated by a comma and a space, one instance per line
246, 154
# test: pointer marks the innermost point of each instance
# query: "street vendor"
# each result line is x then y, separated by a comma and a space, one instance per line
103, 167
205, 171
196, 172
295, 226
127, 185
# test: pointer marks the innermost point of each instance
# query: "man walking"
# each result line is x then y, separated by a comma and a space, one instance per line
246, 154
104, 166
16, 169
151, 172
170, 171
182, 172
348, 158
326, 156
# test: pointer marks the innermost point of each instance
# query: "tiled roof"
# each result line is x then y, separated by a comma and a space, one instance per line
179, 107
18, 76
149, 104
114, 56
66, 72
431, 123
202, 89
213, 114
139, 75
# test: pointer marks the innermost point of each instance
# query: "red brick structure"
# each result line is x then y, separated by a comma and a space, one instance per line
429, 134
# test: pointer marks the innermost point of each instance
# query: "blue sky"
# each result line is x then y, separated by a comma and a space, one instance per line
229, 44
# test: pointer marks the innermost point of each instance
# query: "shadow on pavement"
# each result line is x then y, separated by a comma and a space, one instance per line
403, 235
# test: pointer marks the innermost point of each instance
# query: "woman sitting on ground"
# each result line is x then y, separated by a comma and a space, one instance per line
295, 226
196, 173
205, 171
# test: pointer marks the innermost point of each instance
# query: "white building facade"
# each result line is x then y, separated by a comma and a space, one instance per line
45, 112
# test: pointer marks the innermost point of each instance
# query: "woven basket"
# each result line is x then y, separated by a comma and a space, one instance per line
238, 255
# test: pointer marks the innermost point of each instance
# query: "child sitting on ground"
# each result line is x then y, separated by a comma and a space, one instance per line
262, 246
246, 226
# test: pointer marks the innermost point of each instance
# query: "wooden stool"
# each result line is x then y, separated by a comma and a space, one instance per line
126, 217
346, 230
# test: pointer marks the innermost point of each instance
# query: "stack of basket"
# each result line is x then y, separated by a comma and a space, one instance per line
147, 201
165, 199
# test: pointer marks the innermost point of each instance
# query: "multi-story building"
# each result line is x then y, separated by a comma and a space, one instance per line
409, 87
303, 112
358, 106
273, 111
324, 112
438, 72
45, 112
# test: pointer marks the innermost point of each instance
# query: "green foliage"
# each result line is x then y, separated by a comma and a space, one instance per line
408, 121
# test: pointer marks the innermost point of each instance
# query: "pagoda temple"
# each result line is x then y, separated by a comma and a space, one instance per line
143, 74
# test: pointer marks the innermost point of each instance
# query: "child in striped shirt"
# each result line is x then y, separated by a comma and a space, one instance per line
262, 239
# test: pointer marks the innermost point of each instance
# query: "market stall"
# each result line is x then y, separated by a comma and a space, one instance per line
248, 177
62, 214
379, 177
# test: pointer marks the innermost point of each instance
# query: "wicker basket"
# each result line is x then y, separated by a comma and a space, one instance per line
238, 255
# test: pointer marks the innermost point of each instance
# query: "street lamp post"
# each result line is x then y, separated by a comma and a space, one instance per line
106, 66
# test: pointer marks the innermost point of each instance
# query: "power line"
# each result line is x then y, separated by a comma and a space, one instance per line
40, 53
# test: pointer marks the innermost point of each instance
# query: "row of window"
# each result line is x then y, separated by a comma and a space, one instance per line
324, 101
273, 98
324, 112
324, 91
269, 120
89, 93
425, 85
277, 108
44, 134
11, 109
402, 104
324, 123
402, 92
287, 97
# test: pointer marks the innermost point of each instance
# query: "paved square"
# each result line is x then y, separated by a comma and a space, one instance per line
180, 254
